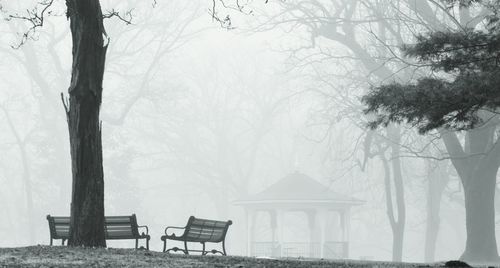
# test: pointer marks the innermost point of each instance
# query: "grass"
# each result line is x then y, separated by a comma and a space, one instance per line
60, 256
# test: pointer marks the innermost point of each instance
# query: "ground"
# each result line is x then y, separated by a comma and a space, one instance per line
60, 256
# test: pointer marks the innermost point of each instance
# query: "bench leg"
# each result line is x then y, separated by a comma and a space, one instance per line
136, 243
147, 243
62, 242
186, 248
214, 251
51, 241
175, 249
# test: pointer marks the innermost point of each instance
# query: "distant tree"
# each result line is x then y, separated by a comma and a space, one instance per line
46, 134
461, 93
342, 23
21, 142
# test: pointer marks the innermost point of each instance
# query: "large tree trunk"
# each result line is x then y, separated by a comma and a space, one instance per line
481, 245
438, 179
477, 165
89, 51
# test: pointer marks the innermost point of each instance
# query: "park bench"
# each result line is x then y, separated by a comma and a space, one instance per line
116, 228
198, 231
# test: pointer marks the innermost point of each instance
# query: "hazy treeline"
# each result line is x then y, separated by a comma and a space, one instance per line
195, 117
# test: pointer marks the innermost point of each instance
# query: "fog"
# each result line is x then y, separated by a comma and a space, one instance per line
197, 118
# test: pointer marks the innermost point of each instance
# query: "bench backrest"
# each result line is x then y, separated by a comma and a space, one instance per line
206, 230
59, 227
116, 227
121, 227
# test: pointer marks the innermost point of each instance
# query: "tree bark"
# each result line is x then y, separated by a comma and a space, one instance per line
477, 164
481, 245
438, 179
85, 94
394, 135
396, 218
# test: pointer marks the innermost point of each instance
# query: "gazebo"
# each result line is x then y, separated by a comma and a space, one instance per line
326, 212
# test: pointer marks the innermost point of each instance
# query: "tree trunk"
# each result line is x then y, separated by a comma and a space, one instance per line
85, 93
481, 246
29, 195
477, 165
397, 223
26, 177
397, 243
396, 217
438, 179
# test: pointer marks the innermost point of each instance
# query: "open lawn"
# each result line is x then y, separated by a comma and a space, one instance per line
46, 256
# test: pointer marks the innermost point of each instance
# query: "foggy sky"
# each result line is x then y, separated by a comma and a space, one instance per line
195, 117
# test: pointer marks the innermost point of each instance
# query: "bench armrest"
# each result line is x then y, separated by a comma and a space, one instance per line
173, 227
145, 227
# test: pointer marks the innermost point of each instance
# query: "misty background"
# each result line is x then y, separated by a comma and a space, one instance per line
196, 116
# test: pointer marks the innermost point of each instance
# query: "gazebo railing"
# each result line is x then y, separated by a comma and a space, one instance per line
266, 249
335, 250
298, 249
331, 249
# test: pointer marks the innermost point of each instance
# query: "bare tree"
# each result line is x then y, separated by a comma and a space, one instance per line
339, 21
21, 143
369, 33
85, 97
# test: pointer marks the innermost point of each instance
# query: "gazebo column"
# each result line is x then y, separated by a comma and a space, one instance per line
274, 224
250, 215
281, 232
323, 218
313, 234
345, 223
273, 215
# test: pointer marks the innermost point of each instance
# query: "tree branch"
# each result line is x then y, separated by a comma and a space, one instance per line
456, 151
113, 13
35, 18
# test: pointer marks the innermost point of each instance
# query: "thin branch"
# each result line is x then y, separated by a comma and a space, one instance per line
239, 6
113, 13
35, 18
65, 103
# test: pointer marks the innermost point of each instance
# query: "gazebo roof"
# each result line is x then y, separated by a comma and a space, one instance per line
298, 188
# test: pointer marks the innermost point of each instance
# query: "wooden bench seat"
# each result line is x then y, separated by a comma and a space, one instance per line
201, 231
116, 228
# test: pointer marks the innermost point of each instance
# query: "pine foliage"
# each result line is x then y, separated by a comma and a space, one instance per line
466, 79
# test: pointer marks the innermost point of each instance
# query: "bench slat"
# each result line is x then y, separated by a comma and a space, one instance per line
61, 220
118, 228
118, 220
204, 222
120, 234
111, 226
